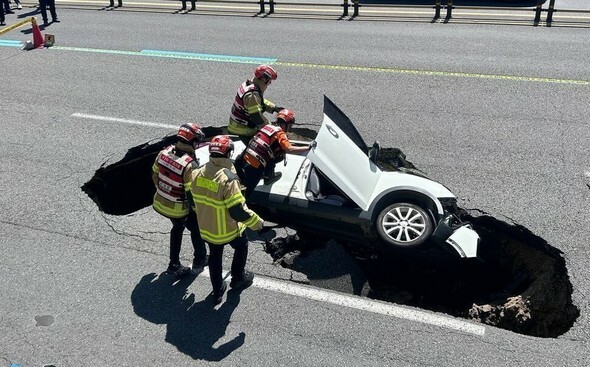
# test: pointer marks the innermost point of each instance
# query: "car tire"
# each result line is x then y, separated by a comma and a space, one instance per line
404, 225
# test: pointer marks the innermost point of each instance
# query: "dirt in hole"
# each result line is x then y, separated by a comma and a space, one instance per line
521, 284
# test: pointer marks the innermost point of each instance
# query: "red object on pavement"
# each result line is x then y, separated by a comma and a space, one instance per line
37, 35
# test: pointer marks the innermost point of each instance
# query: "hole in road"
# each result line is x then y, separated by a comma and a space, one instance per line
521, 285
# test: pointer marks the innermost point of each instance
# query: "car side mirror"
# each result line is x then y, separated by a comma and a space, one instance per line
374, 152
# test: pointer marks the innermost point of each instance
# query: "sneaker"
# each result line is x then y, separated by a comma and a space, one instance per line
274, 178
245, 282
55, 20
218, 296
9, 12
177, 269
2, 23
19, 6
201, 263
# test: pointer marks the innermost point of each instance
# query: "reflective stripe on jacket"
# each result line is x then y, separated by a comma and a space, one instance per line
215, 188
247, 113
171, 170
265, 147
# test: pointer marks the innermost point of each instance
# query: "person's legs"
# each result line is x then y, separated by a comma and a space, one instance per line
251, 178
215, 267
240, 246
52, 10
43, 8
270, 175
200, 252
7, 9
176, 239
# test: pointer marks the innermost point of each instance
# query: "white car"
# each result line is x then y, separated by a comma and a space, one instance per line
337, 190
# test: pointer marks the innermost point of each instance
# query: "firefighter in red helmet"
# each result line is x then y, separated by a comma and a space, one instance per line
223, 215
171, 174
249, 106
264, 150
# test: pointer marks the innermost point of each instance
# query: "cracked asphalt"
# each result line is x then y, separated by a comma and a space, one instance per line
511, 148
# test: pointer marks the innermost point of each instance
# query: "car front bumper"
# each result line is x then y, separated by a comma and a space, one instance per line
461, 237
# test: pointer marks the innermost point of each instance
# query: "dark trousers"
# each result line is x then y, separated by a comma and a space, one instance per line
178, 225
251, 176
240, 246
43, 4
6, 5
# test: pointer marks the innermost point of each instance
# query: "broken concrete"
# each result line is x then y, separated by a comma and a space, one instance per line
520, 283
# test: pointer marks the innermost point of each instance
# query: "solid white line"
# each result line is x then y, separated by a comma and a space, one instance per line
321, 295
125, 121
363, 304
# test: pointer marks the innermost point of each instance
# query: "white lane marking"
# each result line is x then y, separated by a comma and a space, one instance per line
321, 295
363, 304
125, 121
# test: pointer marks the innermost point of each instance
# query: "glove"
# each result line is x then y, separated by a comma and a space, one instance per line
266, 227
277, 109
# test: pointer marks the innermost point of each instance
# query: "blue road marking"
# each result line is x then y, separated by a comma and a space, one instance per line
209, 57
11, 43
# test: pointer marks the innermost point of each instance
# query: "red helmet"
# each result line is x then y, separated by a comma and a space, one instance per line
265, 70
190, 132
222, 145
286, 115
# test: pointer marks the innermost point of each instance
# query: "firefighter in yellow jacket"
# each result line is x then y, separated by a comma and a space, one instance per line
171, 174
247, 112
222, 215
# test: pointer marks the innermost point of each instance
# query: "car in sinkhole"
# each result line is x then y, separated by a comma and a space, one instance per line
337, 190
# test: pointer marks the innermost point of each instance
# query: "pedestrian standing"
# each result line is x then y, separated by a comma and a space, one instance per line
223, 215
171, 173
43, 4
2, 18
6, 6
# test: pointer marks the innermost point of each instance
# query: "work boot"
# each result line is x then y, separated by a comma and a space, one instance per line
274, 178
218, 296
200, 263
177, 269
244, 282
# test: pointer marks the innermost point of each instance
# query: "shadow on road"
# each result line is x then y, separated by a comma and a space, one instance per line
193, 328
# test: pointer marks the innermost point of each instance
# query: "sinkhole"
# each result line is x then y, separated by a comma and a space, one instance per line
520, 283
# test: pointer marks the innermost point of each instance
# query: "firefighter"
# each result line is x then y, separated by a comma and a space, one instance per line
223, 215
265, 150
171, 174
247, 112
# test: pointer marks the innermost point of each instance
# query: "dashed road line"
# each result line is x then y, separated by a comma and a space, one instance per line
124, 121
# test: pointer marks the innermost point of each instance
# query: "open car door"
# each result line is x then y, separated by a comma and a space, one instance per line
341, 154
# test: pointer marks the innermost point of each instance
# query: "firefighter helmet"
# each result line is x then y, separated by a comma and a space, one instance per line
221, 145
190, 133
286, 115
266, 71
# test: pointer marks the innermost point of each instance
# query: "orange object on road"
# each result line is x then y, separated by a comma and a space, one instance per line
37, 35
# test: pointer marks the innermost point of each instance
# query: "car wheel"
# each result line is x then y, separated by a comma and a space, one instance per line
404, 225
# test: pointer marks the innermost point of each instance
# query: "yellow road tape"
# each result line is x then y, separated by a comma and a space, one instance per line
15, 25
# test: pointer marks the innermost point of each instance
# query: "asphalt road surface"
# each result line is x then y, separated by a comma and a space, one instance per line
498, 113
